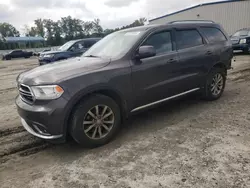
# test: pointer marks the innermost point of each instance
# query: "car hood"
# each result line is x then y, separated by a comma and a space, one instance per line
238, 38
52, 52
62, 70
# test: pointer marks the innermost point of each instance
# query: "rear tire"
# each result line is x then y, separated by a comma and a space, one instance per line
215, 84
247, 51
95, 121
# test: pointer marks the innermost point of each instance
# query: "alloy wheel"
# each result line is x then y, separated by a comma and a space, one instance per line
98, 122
217, 84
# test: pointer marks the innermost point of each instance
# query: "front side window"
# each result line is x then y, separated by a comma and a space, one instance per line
66, 46
213, 34
88, 44
188, 38
162, 42
16, 52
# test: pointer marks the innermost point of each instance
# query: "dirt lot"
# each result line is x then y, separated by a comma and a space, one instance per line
185, 143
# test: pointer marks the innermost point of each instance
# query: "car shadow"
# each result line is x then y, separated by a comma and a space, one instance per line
146, 121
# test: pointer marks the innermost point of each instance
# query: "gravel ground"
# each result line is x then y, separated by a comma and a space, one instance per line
183, 143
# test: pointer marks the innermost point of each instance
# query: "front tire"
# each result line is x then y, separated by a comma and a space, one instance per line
215, 84
95, 121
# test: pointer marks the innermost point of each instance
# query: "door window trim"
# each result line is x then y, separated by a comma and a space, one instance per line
204, 41
155, 32
208, 42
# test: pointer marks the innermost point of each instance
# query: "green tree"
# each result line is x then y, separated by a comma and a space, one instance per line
108, 31
57, 33
8, 30
97, 28
67, 27
48, 25
40, 27
87, 28
33, 32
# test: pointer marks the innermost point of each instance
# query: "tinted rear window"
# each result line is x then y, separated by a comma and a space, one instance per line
188, 38
213, 34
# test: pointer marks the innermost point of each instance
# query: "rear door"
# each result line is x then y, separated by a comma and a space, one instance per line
219, 43
193, 55
19, 53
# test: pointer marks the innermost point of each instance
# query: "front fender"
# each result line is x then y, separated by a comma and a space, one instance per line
99, 88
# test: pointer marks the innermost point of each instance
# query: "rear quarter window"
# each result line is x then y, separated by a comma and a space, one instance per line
213, 34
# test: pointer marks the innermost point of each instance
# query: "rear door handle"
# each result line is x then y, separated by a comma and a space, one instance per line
171, 61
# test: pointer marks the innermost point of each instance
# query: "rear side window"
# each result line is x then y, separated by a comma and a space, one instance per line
188, 38
213, 34
16, 52
162, 42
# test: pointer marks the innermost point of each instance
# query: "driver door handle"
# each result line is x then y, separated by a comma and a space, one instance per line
209, 52
172, 60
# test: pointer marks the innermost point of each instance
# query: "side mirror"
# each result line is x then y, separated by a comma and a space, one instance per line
146, 51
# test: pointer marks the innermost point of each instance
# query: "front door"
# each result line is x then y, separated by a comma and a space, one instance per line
153, 78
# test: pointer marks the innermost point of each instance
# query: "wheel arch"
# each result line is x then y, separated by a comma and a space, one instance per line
220, 65
112, 93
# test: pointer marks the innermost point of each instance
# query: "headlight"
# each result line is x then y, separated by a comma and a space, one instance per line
243, 41
47, 92
49, 55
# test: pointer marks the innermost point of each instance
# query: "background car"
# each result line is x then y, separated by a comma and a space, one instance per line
70, 49
38, 53
241, 40
17, 54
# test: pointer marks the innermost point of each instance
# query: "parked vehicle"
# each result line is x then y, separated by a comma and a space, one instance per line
127, 71
70, 49
17, 54
38, 53
241, 40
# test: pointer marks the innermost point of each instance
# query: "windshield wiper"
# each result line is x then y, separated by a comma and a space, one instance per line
92, 56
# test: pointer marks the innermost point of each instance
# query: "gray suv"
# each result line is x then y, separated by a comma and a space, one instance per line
88, 97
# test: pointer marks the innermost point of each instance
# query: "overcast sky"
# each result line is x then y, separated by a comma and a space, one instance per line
112, 13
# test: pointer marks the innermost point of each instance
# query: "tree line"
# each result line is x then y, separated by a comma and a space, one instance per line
58, 32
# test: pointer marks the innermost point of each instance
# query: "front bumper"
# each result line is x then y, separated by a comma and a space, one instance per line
44, 119
40, 134
243, 47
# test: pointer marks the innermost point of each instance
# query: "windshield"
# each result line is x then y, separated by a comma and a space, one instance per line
241, 33
114, 45
66, 46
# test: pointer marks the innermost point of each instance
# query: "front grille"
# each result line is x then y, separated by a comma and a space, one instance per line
26, 94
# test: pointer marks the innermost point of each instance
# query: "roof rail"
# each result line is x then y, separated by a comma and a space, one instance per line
192, 21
